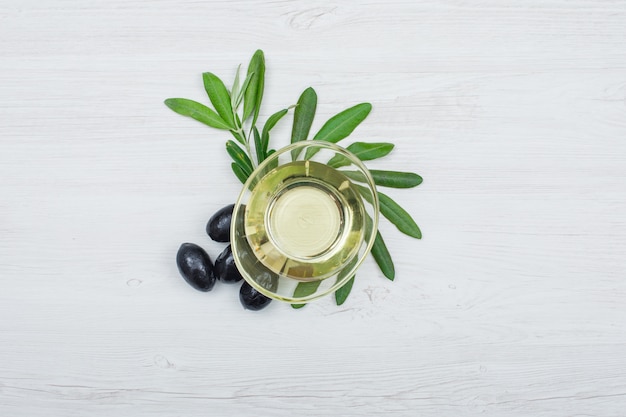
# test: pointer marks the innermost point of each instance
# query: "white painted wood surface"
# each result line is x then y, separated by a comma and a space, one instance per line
513, 304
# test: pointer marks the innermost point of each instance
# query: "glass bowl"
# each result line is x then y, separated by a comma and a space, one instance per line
304, 222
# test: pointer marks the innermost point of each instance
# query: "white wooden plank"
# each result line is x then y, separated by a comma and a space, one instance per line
513, 304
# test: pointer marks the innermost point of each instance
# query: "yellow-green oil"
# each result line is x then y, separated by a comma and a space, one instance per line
304, 220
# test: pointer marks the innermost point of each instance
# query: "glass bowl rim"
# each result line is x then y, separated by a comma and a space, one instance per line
371, 186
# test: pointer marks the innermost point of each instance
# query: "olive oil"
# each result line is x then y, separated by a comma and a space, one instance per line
304, 220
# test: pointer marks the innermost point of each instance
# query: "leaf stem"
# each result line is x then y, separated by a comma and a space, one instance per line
249, 151
246, 140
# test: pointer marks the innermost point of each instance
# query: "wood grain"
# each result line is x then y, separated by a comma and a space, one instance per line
513, 304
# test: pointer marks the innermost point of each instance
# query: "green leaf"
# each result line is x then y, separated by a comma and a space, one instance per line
258, 145
243, 167
365, 193
398, 216
368, 151
364, 151
355, 175
237, 135
369, 223
239, 156
218, 94
383, 257
303, 289
234, 93
243, 90
254, 91
394, 179
273, 119
197, 111
239, 173
342, 293
303, 115
344, 123
269, 124
274, 163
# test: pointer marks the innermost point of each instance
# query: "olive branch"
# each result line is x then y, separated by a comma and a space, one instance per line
237, 111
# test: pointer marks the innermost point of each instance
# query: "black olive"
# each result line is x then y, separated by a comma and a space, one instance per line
251, 299
225, 268
195, 266
218, 227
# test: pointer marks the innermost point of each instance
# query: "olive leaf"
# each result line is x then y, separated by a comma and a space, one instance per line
218, 94
258, 145
303, 289
383, 257
303, 115
364, 151
398, 216
243, 90
239, 136
394, 179
234, 92
344, 123
254, 91
273, 119
239, 156
239, 173
394, 213
368, 151
341, 125
269, 124
197, 111
379, 249
238, 91
274, 163
342, 293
